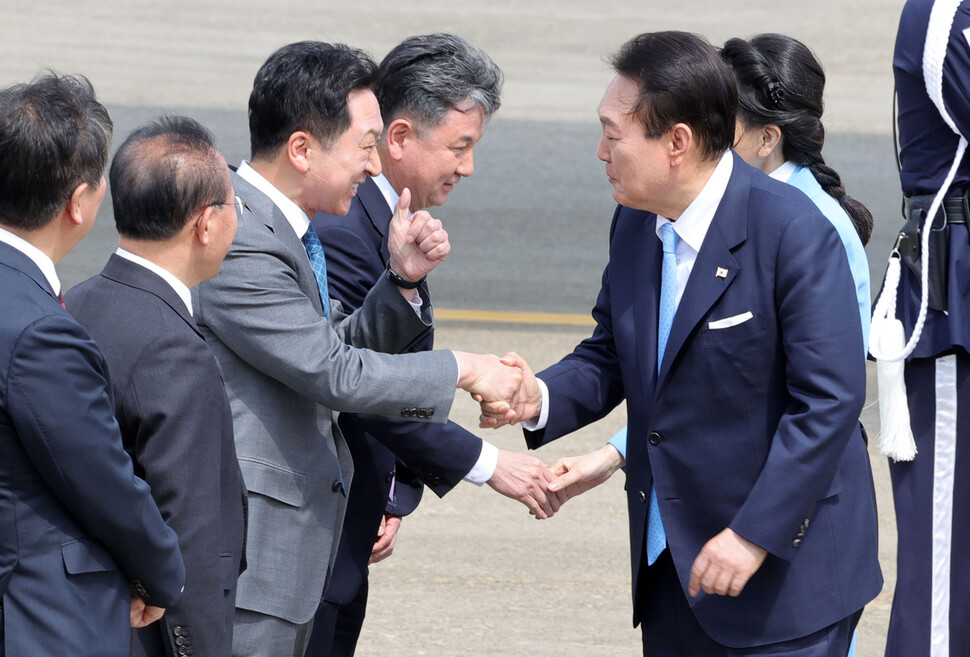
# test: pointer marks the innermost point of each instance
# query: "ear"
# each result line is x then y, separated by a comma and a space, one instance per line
201, 229
681, 140
770, 139
73, 208
398, 133
297, 150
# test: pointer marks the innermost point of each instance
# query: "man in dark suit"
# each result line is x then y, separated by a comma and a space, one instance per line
291, 357
435, 93
727, 320
175, 213
84, 551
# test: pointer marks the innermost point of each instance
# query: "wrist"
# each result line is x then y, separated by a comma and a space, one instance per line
400, 281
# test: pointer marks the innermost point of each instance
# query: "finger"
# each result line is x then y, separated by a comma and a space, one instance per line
696, 572
565, 480
402, 210
418, 222
426, 228
736, 586
721, 583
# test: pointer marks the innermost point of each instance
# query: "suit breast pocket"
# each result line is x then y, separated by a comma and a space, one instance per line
727, 328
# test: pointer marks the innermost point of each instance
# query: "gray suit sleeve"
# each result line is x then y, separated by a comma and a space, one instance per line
257, 309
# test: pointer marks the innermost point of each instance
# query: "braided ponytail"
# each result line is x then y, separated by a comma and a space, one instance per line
780, 82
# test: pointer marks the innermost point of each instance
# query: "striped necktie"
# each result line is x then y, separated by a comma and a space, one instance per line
318, 262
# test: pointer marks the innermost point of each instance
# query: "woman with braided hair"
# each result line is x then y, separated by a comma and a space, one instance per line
780, 84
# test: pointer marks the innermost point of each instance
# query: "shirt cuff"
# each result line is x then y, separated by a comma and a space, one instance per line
619, 442
485, 466
539, 422
416, 302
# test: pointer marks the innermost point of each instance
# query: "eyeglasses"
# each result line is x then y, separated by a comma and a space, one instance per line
238, 202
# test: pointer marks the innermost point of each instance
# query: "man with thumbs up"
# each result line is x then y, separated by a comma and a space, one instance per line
435, 92
290, 356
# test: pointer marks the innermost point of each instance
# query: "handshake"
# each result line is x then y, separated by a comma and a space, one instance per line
508, 392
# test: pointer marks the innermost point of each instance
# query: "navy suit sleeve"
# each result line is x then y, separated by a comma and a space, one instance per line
826, 382
587, 384
58, 402
173, 405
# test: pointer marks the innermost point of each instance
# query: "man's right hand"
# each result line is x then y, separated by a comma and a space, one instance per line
528, 401
489, 379
525, 478
143, 615
577, 474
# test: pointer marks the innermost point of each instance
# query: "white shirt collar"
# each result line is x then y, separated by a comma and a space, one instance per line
294, 215
784, 172
693, 223
181, 289
41, 259
390, 195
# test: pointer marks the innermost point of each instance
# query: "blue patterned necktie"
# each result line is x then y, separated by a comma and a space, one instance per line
314, 249
656, 536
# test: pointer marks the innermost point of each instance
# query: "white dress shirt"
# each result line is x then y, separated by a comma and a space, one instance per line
181, 289
41, 259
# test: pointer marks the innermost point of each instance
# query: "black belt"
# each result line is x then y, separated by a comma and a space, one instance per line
955, 208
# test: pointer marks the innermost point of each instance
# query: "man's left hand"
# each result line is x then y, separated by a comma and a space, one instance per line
417, 243
386, 538
725, 564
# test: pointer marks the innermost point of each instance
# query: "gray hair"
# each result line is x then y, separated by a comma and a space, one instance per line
426, 76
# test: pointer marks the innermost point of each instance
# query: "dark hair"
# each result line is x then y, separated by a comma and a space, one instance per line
781, 82
426, 76
681, 80
163, 175
54, 135
304, 86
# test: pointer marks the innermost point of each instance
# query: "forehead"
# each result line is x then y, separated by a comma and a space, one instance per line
619, 101
458, 125
365, 114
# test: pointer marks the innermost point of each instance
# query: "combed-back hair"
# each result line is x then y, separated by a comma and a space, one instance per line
304, 86
681, 79
54, 136
424, 77
781, 82
163, 175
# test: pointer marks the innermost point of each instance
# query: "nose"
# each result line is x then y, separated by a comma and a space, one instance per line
603, 149
466, 166
373, 163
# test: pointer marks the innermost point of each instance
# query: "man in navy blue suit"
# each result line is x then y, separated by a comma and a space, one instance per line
84, 552
727, 321
435, 92
175, 212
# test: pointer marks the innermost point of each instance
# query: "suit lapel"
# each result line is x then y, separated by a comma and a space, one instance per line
647, 293
128, 273
708, 279
375, 207
265, 212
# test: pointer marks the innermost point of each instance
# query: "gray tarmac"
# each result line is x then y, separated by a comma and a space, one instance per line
473, 574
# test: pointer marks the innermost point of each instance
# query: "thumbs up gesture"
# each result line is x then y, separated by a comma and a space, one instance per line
417, 242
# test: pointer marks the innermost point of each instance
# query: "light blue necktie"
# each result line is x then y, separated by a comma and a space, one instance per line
318, 262
656, 536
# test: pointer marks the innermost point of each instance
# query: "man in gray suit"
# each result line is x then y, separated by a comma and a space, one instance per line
288, 354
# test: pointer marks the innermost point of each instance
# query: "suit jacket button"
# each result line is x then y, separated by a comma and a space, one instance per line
654, 438
182, 651
643, 496
805, 523
179, 641
422, 413
796, 542
177, 631
390, 476
430, 413
338, 486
